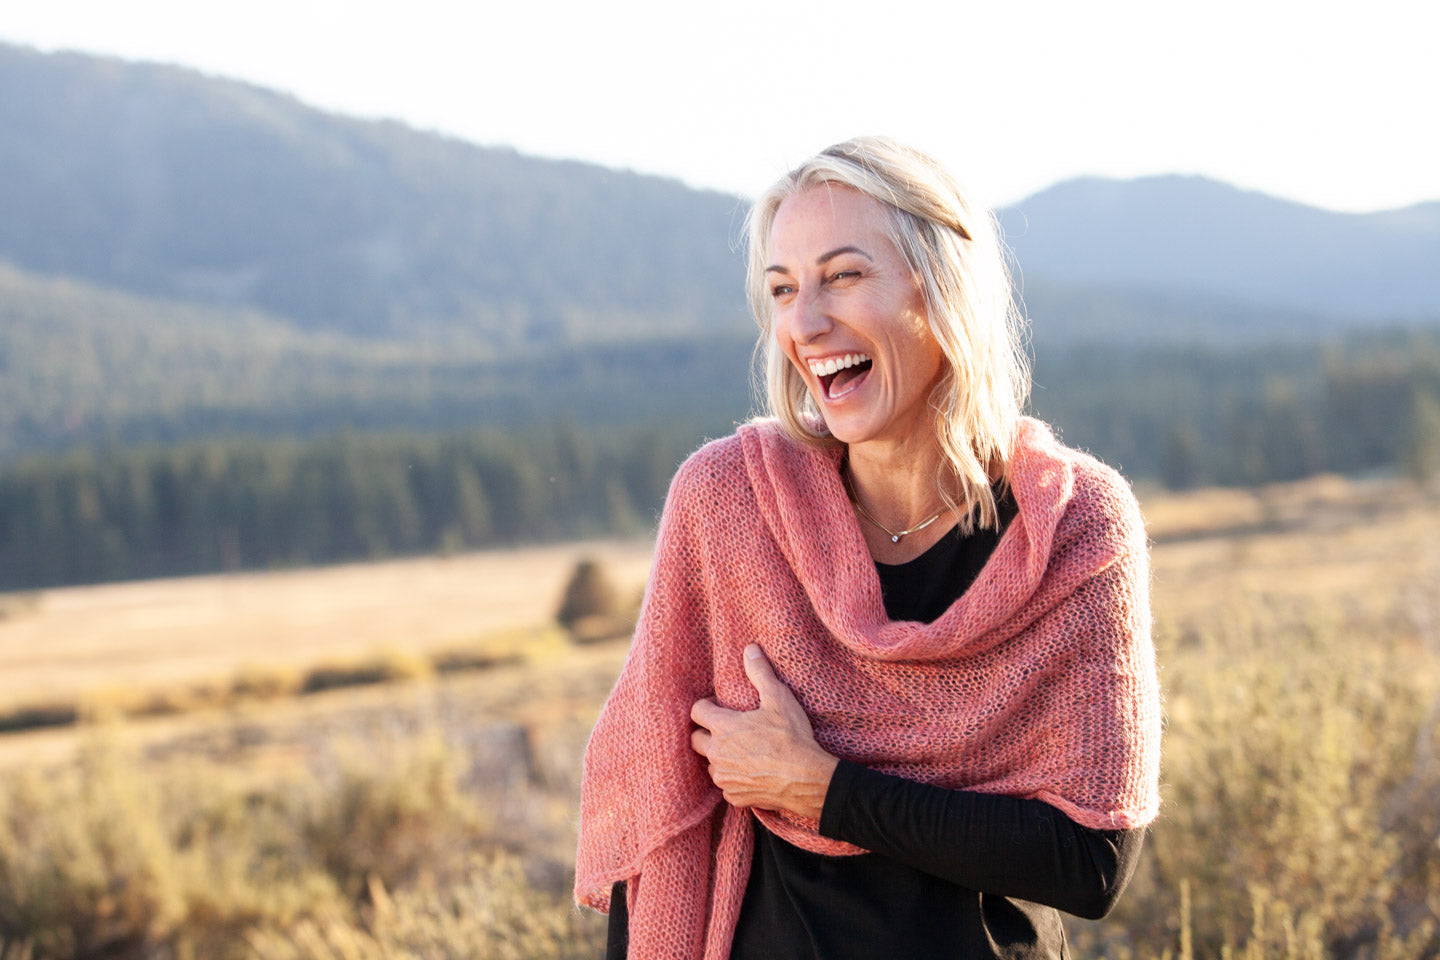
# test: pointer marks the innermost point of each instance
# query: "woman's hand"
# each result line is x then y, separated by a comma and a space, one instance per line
768, 757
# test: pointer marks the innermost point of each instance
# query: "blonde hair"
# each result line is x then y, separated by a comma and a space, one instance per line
954, 251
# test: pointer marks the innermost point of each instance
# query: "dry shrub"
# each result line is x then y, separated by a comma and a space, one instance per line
101, 877
257, 682
492, 913
32, 716
15, 605
396, 665
589, 594
1297, 814
396, 820
107, 858
461, 660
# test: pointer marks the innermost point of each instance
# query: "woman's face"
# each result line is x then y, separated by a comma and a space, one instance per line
850, 316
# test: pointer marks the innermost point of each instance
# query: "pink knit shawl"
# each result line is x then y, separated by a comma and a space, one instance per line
1038, 682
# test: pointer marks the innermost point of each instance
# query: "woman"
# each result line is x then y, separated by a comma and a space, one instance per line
893, 692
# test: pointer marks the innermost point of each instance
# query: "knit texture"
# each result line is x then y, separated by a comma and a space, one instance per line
1038, 682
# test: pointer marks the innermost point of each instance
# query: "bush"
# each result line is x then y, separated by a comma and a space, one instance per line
588, 594
491, 914
1299, 784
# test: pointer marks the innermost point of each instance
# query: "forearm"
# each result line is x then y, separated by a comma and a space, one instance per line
617, 934
994, 844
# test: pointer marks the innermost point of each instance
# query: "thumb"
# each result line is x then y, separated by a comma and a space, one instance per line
762, 676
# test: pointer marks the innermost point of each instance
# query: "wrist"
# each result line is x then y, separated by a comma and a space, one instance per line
811, 791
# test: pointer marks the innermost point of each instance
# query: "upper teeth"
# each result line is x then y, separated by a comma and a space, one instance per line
823, 368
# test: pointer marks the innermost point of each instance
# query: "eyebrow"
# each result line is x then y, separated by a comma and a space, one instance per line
821, 260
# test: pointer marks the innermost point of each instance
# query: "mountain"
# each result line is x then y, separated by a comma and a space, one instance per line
167, 183
1185, 236
184, 256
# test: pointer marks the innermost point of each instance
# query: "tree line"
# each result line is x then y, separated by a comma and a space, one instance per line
1243, 416
235, 504
1182, 418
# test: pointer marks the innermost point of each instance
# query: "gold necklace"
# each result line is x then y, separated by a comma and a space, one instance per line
894, 535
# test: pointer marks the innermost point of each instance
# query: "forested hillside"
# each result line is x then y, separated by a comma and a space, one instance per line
82, 366
168, 183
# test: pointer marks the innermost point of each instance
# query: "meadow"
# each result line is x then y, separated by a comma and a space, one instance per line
201, 791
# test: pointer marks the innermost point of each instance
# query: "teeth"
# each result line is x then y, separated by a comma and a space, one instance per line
836, 364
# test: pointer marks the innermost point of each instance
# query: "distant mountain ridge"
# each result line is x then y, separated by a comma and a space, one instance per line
166, 183
1189, 234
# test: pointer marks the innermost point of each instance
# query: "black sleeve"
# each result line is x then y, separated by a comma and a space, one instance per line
617, 934
994, 844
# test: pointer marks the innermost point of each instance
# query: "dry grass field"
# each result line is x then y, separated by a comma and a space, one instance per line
1298, 628
128, 640
165, 631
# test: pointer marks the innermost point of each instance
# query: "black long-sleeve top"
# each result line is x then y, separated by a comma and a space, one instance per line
950, 873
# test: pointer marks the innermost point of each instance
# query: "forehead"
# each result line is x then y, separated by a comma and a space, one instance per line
827, 216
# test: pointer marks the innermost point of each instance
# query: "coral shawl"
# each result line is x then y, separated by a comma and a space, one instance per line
1038, 682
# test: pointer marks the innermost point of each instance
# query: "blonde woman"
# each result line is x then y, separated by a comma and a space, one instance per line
893, 692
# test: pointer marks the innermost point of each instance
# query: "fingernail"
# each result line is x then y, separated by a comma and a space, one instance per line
752, 652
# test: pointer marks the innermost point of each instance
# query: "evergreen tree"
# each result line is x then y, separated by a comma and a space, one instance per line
1181, 462
1422, 452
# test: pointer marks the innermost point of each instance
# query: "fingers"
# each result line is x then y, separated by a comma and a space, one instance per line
762, 677
707, 712
700, 742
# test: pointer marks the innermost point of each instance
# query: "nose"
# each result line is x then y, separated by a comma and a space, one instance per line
810, 320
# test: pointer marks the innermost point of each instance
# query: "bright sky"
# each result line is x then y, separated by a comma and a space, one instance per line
1331, 104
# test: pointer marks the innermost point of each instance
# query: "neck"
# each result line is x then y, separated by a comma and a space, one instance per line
895, 484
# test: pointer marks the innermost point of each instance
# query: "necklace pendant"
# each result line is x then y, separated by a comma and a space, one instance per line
894, 538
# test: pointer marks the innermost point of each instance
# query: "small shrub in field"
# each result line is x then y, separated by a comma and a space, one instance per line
590, 608
14, 605
588, 594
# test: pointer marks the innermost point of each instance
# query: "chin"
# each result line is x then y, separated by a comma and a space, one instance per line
847, 433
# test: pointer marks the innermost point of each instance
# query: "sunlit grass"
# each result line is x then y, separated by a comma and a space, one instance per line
429, 813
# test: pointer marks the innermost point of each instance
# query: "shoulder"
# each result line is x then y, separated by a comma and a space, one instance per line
1102, 492
723, 463
758, 471
715, 466
1104, 507
1099, 501
709, 482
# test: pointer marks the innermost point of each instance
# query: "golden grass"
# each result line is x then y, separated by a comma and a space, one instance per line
97, 644
1298, 628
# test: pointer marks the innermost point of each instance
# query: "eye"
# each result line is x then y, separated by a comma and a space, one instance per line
844, 275
782, 289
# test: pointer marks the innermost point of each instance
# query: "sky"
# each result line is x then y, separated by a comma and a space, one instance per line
1329, 104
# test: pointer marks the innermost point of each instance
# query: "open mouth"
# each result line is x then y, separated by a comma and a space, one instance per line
839, 375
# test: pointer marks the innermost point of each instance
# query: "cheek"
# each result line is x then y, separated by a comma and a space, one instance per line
925, 354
